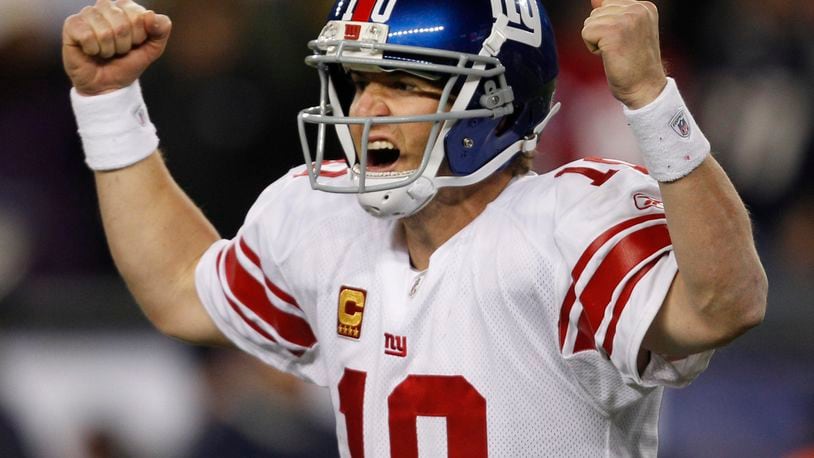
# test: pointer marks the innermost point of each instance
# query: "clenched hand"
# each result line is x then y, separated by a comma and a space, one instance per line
109, 45
626, 34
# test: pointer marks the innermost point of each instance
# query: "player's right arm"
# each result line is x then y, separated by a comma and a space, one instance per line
155, 233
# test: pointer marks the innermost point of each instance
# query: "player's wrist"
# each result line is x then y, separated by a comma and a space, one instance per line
671, 143
645, 94
115, 127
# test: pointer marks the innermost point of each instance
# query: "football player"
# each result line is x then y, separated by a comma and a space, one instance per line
452, 301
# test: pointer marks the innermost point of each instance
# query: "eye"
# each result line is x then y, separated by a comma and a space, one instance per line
404, 86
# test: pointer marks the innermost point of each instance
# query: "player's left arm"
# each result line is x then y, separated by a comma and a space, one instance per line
720, 290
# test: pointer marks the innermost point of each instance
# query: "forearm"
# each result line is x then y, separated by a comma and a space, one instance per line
156, 236
721, 286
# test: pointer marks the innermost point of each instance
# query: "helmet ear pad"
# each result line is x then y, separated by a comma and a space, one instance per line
472, 143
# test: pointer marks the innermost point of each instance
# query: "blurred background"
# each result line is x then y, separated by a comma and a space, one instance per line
82, 374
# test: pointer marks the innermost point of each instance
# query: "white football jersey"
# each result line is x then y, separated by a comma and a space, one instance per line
520, 340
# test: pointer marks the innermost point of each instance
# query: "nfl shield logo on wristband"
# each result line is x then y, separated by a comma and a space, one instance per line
680, 124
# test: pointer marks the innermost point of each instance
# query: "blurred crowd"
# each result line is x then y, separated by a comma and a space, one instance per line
82, 374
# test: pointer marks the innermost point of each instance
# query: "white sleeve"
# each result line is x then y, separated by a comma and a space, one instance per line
638, 313
249, 299
612, 235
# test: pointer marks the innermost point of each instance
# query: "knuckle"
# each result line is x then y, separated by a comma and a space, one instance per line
133, 8
71, 22
96, 16
86, 36
589, 27
121, 31
105, 35
92, 13
90, 48
137, 21
116, 13
116, 16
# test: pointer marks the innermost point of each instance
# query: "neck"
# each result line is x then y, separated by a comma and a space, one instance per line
451, 210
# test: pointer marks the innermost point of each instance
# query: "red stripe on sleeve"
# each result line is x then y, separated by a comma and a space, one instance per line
246, 319
280, 293
570, 298
621, 260
363, 10
251, 293
255, 259
585, 338
621, 302
260, 330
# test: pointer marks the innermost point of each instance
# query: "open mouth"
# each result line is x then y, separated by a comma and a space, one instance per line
381, 155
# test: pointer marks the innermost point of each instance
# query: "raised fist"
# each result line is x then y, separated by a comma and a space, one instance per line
626, 34
109, 45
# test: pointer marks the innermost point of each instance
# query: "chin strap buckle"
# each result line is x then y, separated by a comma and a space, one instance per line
495, 41
529, 144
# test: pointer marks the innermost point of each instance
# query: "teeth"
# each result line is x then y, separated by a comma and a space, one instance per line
380, 144
357, 171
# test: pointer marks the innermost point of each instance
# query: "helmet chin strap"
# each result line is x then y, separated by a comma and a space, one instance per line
525, 145
400, 202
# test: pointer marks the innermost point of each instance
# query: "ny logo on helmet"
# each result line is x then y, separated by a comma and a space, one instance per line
369, 10
525, 23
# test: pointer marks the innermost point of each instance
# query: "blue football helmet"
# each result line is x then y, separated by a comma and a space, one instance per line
499, 64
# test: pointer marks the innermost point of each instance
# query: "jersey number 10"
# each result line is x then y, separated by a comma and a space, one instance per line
446, 396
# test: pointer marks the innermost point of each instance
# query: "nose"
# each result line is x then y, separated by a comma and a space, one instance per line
370, 101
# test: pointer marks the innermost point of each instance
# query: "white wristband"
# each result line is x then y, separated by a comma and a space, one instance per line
115, 128
671, 143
